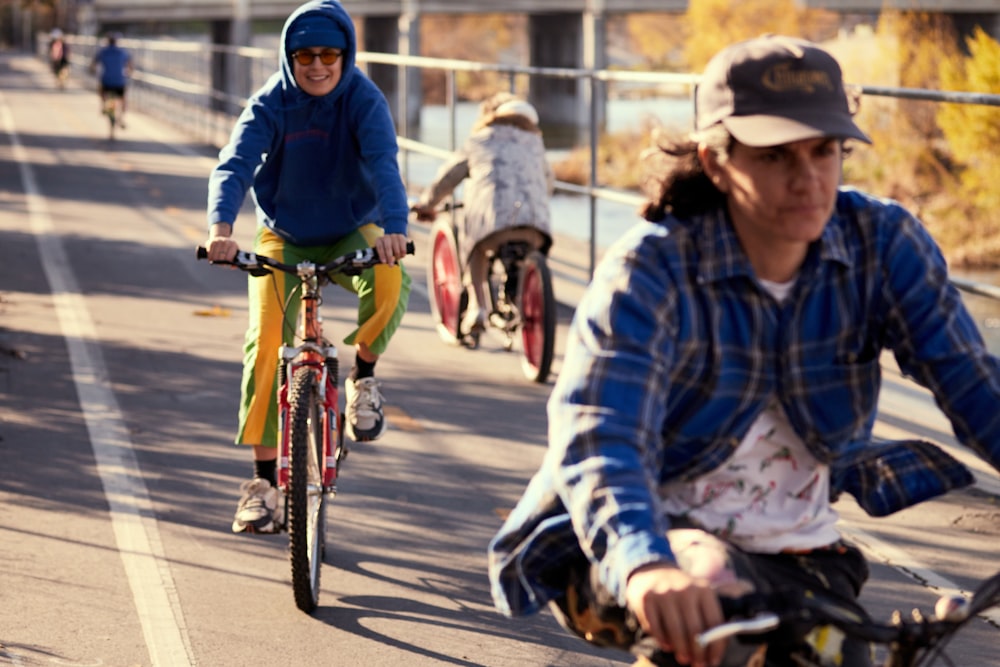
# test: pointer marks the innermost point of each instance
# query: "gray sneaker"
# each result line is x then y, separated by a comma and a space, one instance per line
365, 420
260, 509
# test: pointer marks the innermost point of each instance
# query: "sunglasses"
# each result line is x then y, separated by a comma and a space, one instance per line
327, 56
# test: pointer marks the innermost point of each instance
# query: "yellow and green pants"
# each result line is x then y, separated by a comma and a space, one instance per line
383, 292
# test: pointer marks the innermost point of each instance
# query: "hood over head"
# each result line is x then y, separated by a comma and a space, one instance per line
318, 23
315, 30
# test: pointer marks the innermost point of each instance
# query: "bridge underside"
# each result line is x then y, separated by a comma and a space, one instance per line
562, 34
114, 11
119, 11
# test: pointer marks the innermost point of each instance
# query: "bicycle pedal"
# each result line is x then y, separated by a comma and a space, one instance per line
250, 530
274, 530
471, 340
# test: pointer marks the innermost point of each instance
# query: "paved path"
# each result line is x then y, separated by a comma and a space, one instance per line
119, 365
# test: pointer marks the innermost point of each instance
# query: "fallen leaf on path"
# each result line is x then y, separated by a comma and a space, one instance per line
214, 311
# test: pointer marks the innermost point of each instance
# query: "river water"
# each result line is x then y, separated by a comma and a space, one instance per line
570, 213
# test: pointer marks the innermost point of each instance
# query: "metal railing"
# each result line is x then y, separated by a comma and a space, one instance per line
173, 81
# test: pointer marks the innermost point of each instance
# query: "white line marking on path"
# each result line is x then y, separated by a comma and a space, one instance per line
132, 518
905, 564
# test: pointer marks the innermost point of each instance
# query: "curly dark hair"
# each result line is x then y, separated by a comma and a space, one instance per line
675, 182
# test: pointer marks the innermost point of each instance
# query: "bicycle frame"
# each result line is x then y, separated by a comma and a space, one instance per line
112, 104
314, 353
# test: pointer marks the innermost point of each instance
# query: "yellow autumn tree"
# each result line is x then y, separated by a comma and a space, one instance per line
478, 37
714, 24
659, 39
973, 135
908, 161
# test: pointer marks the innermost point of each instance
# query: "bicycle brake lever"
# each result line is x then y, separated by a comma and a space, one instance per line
248, 262
759, 624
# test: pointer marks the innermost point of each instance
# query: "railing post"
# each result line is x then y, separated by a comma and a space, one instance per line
594, 60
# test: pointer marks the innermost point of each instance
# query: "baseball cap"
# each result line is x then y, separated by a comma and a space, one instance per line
773, 90
317, 30
517, 108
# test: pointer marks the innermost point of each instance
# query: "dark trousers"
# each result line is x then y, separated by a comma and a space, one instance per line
840, 570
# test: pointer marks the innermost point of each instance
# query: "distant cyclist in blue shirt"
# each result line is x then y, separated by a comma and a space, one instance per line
115, 65
721, 381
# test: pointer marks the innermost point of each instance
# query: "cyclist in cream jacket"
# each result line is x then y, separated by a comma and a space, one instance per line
506, 198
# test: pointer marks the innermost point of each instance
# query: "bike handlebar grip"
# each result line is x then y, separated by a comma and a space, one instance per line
759, 624
201, 252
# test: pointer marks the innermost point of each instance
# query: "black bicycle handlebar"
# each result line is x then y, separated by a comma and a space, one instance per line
441, 208
350, 264
765, 614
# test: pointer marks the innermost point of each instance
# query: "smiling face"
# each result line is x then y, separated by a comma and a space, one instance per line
317, 78
779, 197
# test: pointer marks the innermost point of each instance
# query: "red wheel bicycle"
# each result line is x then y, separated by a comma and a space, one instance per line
444, 281
312, 445
522, 304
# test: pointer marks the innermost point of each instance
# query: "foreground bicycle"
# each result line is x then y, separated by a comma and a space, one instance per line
916, 641
522, 301
311, 424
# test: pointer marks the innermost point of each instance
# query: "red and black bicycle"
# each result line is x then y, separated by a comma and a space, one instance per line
522, 303
311, 428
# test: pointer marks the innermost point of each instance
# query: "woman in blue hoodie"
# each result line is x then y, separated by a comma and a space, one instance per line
317, 146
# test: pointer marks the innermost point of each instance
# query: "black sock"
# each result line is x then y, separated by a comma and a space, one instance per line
362, 369
266, 470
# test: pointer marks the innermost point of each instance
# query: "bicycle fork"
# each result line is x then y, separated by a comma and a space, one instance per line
506, 314
324, 363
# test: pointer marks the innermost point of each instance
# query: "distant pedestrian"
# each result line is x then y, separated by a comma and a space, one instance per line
58, 53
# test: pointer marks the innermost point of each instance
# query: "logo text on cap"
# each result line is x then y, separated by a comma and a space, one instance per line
782, 78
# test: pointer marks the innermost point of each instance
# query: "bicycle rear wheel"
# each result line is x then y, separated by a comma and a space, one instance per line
538, 317
306, 501
444, 279
109, 110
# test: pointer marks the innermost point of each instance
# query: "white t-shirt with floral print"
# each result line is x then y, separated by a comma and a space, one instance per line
772, 495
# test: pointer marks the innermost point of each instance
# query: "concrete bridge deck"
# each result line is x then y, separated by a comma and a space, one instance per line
106, 11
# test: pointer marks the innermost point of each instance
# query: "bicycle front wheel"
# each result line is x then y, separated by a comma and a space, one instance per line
306, 506
444, 280
537, 303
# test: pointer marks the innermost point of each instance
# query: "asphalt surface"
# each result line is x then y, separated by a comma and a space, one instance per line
119, 374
